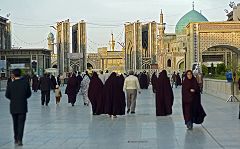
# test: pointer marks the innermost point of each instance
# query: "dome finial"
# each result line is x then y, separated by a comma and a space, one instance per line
193, 5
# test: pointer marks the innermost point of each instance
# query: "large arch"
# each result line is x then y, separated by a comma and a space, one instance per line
180, 64
91, 63
222, 53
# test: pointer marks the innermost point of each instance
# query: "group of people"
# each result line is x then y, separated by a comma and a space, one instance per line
191, 96
106, 94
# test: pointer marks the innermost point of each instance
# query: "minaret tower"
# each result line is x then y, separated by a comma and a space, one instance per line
161, 52
161, 31
51, 42
112, 43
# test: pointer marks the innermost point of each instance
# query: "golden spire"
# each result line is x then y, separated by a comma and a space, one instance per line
112, 43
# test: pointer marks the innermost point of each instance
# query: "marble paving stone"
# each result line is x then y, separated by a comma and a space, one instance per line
67, 127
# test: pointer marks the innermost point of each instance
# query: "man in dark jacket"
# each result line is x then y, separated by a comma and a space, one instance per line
45, 87
18, 92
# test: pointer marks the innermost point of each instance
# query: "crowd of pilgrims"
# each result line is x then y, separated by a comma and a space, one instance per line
106, 94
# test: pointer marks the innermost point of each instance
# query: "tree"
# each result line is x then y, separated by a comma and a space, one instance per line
204, 70
212, 69
221, 68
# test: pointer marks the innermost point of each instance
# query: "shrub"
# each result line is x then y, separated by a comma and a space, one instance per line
204, 70
221, 68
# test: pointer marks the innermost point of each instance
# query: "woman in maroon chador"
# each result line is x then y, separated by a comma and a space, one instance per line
95, 94
109, 93
35, 83
164, 95
191, 101
72, 89
119, 103
154, 82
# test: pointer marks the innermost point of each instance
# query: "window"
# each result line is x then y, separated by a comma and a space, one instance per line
169, 63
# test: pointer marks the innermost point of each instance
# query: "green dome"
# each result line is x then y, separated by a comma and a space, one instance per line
192, 16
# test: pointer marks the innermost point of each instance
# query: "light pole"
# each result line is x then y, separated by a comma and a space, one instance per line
185, 58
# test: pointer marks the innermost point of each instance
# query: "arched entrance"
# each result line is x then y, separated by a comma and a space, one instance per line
169, 63
227, 54
54, 66
89, 66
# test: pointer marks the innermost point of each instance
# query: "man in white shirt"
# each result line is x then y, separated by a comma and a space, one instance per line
131, 85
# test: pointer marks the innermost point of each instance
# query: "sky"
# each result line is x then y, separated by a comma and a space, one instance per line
31, 19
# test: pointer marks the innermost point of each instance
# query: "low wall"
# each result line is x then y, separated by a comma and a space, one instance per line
220, 88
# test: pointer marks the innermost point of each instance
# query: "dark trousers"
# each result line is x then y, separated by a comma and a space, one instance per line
45, 97
18, 125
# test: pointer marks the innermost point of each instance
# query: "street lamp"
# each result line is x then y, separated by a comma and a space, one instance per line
185, 58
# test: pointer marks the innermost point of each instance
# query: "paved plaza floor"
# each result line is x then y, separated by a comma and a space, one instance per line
67, 127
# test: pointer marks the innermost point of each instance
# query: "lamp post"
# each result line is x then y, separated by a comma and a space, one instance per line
185, 58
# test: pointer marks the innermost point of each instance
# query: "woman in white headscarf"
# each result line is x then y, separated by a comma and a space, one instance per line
84, 88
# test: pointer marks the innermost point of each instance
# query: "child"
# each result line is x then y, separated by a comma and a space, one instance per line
58, 94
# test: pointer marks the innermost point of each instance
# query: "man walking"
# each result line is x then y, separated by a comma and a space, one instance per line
18, 92
131, 85
45, 87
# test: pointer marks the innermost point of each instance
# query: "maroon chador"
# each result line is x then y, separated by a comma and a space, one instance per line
109, 93
154, 82
35, 83
95, 91
119, 102
72, 89
164, 95
191, 102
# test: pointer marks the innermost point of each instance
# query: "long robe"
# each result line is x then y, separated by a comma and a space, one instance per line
95, 91
72, 89
154, 82
108, 94
191, 102
144, 81
84, 88
179, 81
53, 82
164, 95
79, 78
35, 83
119, 101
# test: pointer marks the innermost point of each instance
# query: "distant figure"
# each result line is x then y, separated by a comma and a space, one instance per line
53, 82
174, 79
79, 78
58, 94
84, 88
45, 86
183, 76
18, 92
10, 79
164, 95
154, 82
131, 85
62, 80
199, 78
178, 81
95, 93
58, 80
35, 83
144, 83
191, 101
72, 89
